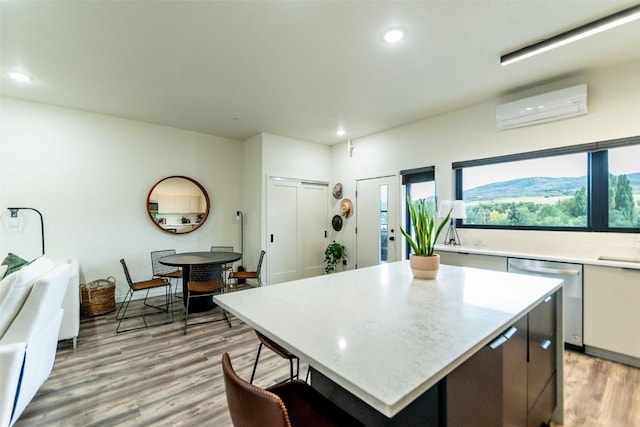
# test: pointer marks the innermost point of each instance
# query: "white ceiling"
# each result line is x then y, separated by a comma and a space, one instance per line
298, 69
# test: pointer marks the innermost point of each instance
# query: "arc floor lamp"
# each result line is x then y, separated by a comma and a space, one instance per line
15, 221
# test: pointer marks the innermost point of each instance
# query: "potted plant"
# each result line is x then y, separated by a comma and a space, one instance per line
424, 263
334, 253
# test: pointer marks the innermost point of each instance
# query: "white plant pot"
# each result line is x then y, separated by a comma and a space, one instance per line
424, 267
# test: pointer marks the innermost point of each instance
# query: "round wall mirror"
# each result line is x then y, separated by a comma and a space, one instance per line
178, 205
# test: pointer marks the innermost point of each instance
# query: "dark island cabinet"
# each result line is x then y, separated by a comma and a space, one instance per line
541, 389
510, 381
490, 388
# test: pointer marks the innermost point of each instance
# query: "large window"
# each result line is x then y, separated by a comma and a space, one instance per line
548, 191
586, 187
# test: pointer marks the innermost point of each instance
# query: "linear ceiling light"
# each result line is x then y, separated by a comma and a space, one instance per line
573, 35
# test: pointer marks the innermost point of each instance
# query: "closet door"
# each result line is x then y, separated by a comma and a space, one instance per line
312, 229
296, 229
282, 235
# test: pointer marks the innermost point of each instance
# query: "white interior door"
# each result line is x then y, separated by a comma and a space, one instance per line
297, 224
313, 223
282, 234
377, 231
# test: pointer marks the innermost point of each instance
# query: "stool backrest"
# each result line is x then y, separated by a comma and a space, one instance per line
250, 405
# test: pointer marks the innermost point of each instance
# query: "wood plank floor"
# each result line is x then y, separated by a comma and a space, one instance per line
157, 376
600, 393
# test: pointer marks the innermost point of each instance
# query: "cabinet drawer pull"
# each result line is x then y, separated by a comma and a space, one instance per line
510, 332
497, 342
545, 344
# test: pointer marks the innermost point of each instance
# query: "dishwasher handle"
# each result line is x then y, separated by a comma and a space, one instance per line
544, 270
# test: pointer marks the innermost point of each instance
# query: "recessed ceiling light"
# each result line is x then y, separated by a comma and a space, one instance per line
393, 36
19, 77
341, 132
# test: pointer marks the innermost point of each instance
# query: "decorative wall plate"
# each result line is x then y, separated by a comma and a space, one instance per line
337, 191
336, 222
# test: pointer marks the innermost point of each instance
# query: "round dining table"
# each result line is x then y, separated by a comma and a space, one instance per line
186, 260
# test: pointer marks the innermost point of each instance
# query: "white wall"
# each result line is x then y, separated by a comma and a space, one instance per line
471, 133
90, 175
293, 158
252, 201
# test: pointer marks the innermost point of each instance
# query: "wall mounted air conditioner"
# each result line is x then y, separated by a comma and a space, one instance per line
556, 105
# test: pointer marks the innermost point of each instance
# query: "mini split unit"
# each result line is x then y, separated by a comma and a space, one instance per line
551, 106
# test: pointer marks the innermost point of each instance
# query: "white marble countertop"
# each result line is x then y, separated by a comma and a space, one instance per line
382, 335
630, 261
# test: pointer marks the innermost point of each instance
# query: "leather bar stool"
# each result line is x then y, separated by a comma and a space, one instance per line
288, 404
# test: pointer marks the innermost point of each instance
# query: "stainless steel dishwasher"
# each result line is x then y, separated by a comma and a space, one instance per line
572, 290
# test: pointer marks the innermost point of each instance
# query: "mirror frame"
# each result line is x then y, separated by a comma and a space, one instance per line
197, 184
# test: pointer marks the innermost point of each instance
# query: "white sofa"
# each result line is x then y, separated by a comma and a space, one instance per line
30, 317
70, 326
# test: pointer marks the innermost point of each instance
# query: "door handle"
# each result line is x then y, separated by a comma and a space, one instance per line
272, 238
545, 270
392, 238
545, 344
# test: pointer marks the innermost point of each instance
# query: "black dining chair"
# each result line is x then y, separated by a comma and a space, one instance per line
172, 274
205, 281
142, 286
226, 268
244, 275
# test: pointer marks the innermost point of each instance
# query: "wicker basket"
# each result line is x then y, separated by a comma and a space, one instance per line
98, 297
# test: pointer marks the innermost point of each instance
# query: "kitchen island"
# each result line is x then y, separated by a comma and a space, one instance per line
388, 340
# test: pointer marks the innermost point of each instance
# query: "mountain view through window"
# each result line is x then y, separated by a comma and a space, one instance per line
551, 191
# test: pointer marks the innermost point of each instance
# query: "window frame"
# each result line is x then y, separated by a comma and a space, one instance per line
415, 176
597, 184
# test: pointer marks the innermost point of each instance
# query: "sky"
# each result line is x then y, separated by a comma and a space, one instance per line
624, 160
573, 165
